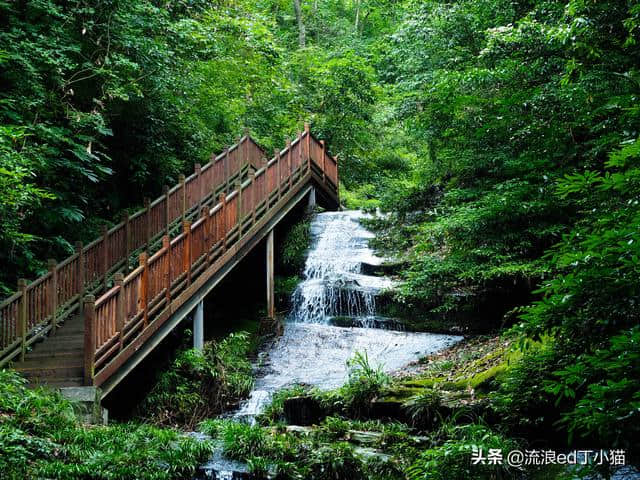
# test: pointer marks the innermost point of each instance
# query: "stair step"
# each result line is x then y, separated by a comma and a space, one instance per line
64, 332
50, 361
68, 352
54, 372
59, 344
55, 382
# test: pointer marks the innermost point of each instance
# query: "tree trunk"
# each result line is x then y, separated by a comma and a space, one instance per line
301, 32
357, 15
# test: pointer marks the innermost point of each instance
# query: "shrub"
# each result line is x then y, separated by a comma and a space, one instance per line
275, 410
40, 438
200, 384
452, 459
606, 385
363, 385
424, 407
295, 245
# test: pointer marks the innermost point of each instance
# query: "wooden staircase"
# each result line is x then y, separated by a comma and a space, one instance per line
139, 305
57, 362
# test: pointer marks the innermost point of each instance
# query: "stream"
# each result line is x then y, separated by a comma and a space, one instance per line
314, 351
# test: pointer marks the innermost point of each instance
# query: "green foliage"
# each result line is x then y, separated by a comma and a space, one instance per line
201, 383
362, 197
365, 382
290, 455
452, 459
274, 412
104, 103
424, 407
40, 438
608, 401
501, 100
295, 245
521, 400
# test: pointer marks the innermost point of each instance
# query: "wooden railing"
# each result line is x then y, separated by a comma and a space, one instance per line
115, 322
38, 308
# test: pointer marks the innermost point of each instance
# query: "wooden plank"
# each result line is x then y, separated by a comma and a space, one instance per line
89, 338
22, 316
53, 293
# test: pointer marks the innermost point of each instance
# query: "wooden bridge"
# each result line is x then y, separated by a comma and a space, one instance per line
93, 317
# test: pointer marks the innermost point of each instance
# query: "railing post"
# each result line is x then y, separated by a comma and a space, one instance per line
144, 288
53, 293
204, 213
147, 223
186, 259
166, 245
105, 254
225, 163
89, 338
307, 131
324, 179
253, 202
127, 240
22, 317
198, 172
289, 162
183, 195
239, 188
167, 215
118, 279
300, 151
80, 269
245, 147
223, 215
276, 154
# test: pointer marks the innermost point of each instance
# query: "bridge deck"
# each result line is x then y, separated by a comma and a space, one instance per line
133, 313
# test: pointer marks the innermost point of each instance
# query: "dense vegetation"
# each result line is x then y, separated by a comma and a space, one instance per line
201, 383
101, 103
41, 438
499, 137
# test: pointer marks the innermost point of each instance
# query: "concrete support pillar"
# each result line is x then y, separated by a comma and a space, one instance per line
311, 205
271, 308
198, 326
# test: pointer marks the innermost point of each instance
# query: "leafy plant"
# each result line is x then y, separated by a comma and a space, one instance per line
40, 438
202, 383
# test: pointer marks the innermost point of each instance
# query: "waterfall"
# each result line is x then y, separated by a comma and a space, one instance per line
311, 350
333, 280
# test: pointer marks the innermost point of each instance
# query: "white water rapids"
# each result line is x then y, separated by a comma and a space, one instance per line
311, 350
333, 283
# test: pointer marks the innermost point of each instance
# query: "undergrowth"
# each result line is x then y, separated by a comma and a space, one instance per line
41, 439
200, 384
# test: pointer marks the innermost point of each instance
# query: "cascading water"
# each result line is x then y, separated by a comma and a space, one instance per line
311, 350
333, 283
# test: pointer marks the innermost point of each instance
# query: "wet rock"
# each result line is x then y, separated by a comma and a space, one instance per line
380, 269
365, 453
303, 410
270, 327
364, 438
384, 323
299, 429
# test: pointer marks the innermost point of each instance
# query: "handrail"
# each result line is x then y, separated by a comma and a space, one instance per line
127, 314
39, 307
